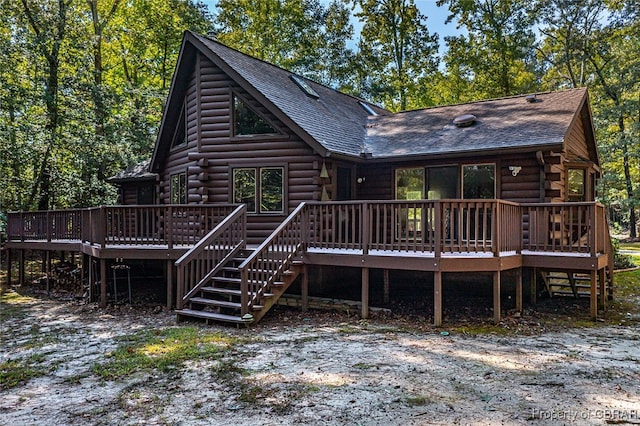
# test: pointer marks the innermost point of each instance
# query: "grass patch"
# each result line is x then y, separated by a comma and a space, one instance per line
163, 350
17, 372
14, 305
417, 400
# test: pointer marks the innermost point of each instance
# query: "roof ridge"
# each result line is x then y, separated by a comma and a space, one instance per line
356, 98
523, 95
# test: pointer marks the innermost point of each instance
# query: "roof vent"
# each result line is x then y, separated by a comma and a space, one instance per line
305, 86
465, 120
531, 99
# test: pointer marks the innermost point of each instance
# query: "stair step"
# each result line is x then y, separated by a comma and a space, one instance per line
212, 302
228, 291
231, 280
211, 316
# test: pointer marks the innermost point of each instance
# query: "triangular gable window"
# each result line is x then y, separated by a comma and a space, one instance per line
180, 136
247, 122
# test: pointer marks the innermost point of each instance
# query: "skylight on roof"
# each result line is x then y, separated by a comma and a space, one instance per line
305, 86
367, 108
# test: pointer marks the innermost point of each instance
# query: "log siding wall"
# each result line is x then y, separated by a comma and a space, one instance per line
212, 150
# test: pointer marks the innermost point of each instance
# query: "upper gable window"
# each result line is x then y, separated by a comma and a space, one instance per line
180, 136
247, 122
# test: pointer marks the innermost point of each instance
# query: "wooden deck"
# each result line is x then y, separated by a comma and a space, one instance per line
433, 236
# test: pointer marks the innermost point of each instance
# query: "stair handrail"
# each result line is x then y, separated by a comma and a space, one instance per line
196, 267
273, 257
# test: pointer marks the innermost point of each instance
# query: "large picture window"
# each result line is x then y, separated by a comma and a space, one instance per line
260, 188
179, 188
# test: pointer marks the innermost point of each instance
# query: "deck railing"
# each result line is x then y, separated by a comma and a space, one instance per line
165, 225
440, 226
44, 225
211, 253
436, 226
565, 227
272, 258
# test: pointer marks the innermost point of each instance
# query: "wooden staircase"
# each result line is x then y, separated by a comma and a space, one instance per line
573, 284
220, 300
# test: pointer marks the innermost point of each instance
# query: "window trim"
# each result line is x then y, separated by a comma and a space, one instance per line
583, 196
182, 180
232, 117
495, 178
258, 191
182, 121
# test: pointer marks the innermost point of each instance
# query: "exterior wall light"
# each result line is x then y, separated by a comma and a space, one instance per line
515, 170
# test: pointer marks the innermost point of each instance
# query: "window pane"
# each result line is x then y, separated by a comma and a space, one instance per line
244, 188
479, 181
576, 184
410, 184
247, 122
442, 182
179, 188
271, 189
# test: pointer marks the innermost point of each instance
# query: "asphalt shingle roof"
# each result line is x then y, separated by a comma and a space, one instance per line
335, 120
501, 123
138, 171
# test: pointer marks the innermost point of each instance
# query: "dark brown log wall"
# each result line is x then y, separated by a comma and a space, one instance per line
213, 151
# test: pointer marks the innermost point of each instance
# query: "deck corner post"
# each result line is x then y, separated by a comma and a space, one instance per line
21, 272
364, 228
244, 292
9, 266
48, 228
169, 227
385, 290
496, 297
365, 293
519, 290
170, 287
103, 283
438, 231
102, 227
305, 289
495, 228
602, 279
437, 298
593, 302
533, 287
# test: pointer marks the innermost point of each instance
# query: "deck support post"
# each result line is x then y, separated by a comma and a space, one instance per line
21, 267
103, 283
9, 265
170, 284
385, 279
365, 293
82, 271
593, 303
519, 290
47, 261
437, 298
602, 279
496, 297
92, 280
533, 286
305, 289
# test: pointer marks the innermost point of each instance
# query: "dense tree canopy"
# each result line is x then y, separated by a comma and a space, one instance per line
83, 82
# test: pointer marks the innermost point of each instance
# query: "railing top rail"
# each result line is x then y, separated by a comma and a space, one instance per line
273, 235
211, 235
562, 204
422, 201
129, 206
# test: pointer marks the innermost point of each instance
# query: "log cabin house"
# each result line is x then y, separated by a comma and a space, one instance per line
260, 176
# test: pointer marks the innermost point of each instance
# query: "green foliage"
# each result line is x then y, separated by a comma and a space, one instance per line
82, 86
303, 36
495, 55
163, 350
397, 54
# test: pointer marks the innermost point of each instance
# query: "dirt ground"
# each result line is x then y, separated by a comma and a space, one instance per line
321, 368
